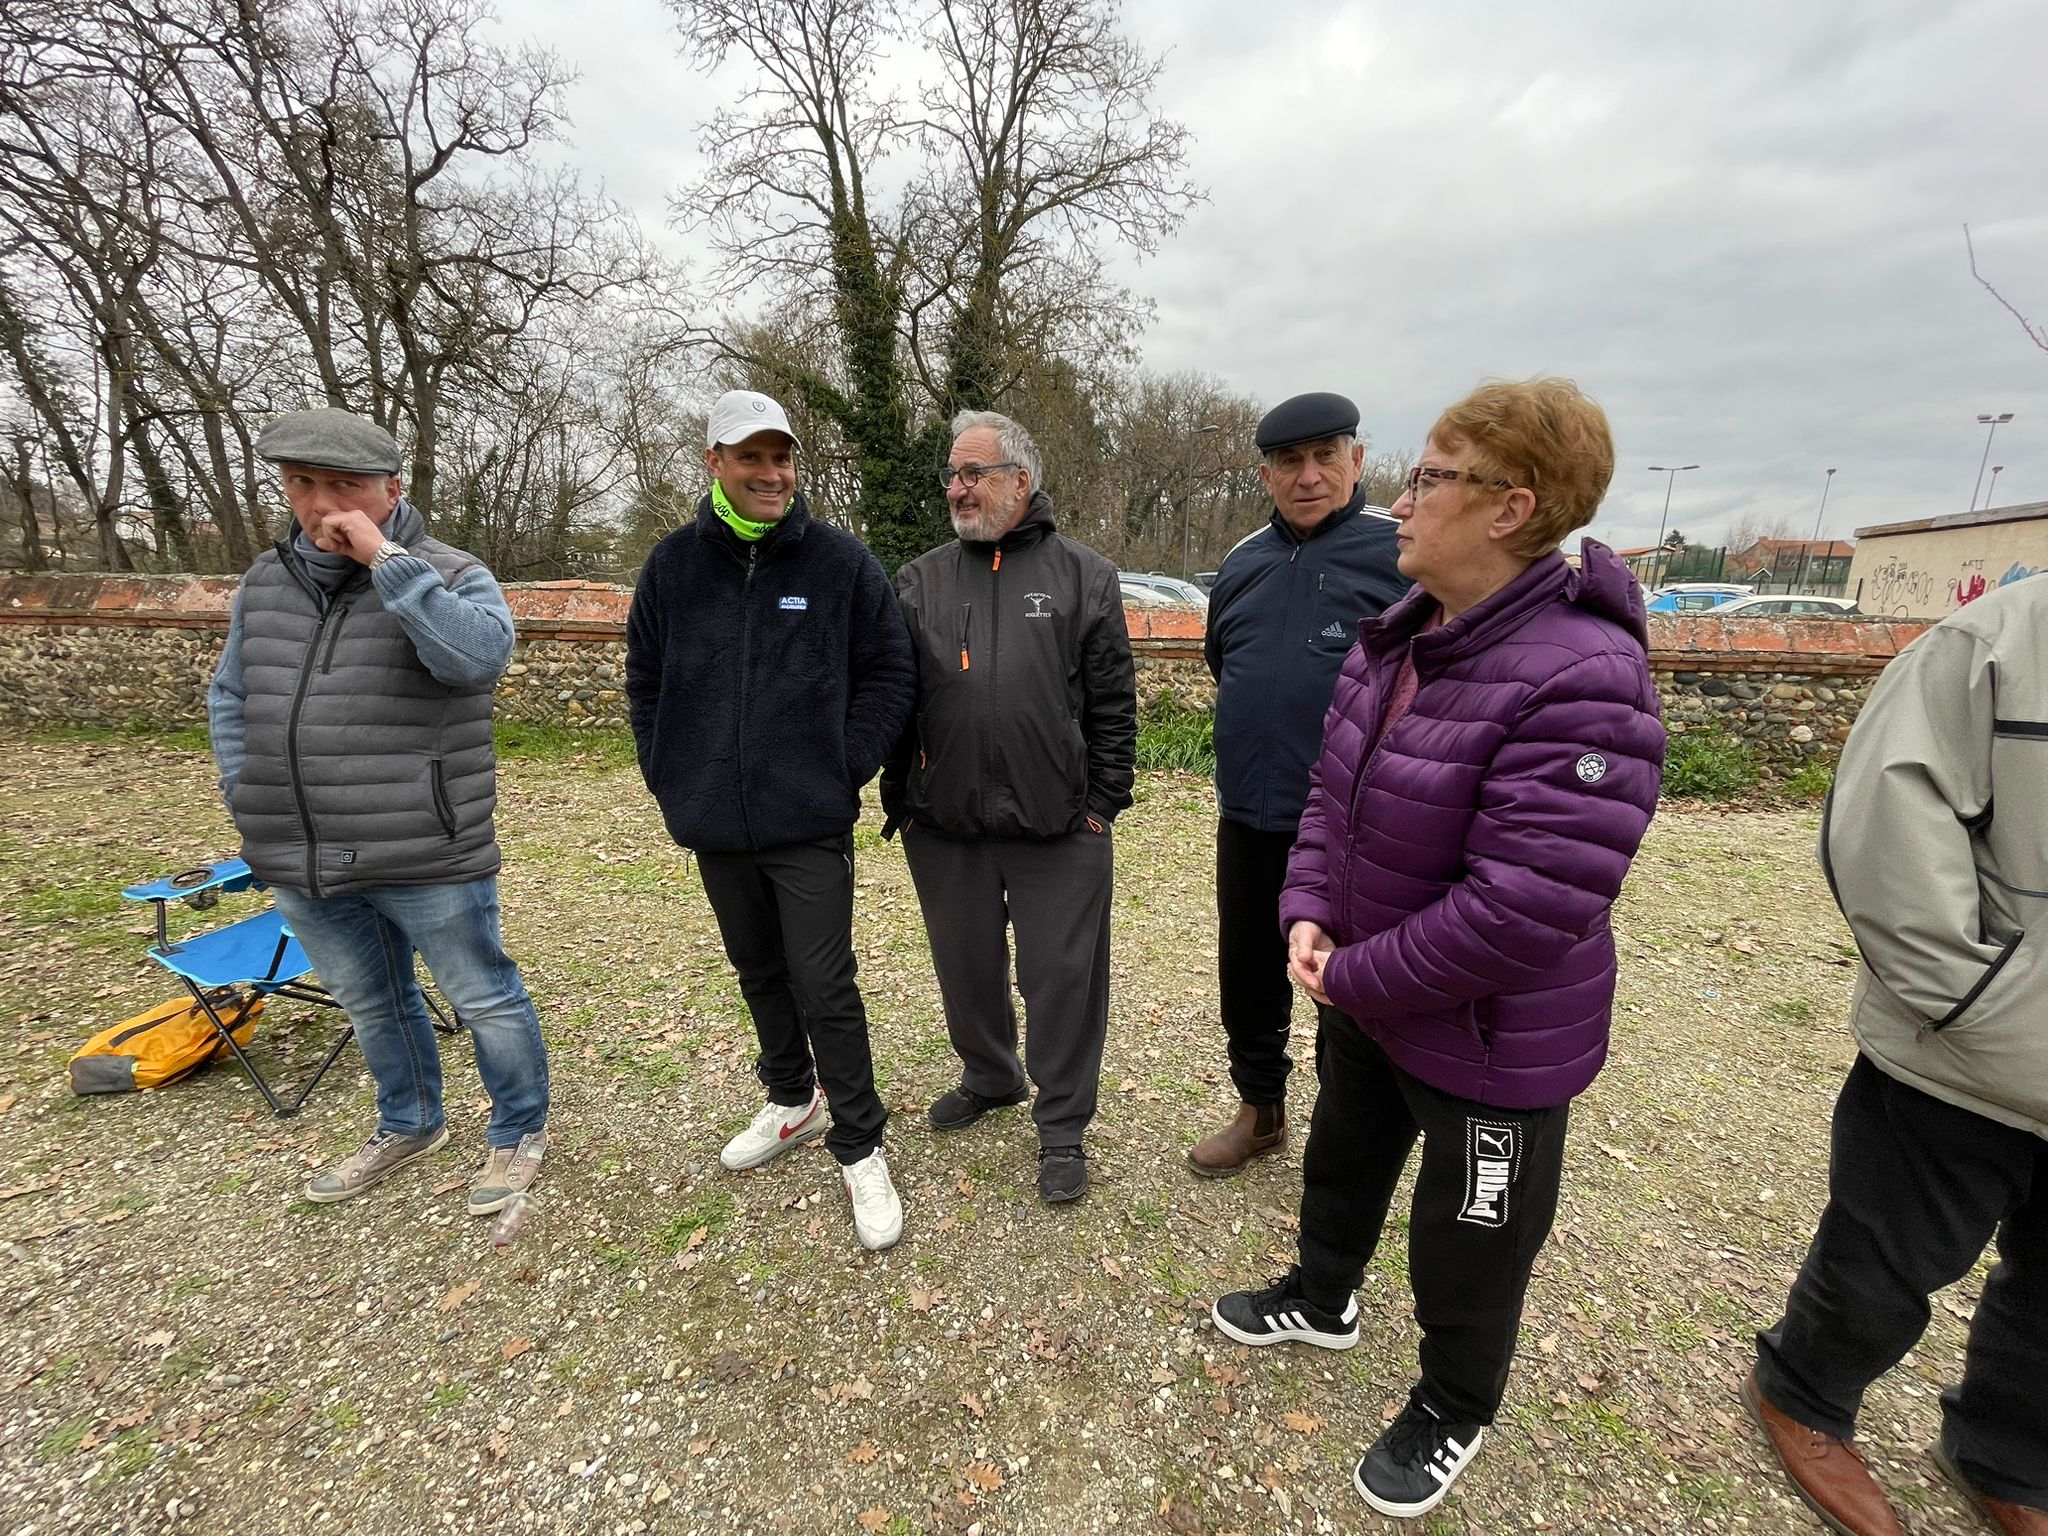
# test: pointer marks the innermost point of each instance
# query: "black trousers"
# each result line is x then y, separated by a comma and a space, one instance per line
786, 916
1251, 958
1484, 1200
1916, 1188
1055, 896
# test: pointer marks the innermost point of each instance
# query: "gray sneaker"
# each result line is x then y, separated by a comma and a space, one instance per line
509, 1172
382, 1155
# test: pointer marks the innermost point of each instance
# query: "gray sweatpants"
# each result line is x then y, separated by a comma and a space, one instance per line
1055, 895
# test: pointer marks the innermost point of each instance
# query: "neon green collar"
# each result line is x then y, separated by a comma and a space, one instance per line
745, 527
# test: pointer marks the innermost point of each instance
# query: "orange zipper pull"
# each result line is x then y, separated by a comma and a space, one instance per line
963, 658
997, 563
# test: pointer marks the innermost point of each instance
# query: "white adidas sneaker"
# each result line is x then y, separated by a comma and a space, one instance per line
773, 1131
877, 1212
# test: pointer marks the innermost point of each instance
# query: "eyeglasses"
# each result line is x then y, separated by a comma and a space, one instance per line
970, 475
1425, 474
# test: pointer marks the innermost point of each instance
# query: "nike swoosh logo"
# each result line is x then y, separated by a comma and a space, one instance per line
785, 1132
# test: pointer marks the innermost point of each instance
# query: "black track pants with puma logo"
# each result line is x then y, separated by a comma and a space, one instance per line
1484, 1199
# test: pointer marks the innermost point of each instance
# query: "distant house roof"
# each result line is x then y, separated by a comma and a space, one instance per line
1637, 554
1818, 549
2023, 512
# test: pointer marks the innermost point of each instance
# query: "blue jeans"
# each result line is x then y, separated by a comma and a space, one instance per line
361, 943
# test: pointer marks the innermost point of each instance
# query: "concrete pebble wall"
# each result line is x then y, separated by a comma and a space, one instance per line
116, 651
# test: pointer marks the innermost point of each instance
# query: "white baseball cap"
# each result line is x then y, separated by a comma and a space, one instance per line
738, 414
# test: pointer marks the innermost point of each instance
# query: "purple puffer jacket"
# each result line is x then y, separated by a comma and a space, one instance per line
1465, 865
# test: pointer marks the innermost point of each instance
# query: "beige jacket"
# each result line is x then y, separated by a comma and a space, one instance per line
1935, 843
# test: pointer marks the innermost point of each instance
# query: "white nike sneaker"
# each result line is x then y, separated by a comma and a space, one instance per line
877, 1212
773, 1131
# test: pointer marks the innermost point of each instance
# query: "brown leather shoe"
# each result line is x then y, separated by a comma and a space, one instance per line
1254, 1130
2011, 1519
1828, 1473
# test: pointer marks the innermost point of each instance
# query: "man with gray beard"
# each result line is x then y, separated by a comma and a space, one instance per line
1019, 757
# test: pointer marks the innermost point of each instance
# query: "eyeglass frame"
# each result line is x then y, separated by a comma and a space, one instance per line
1419, 474
969, 475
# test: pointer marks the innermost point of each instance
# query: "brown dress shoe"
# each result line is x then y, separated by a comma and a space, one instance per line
1254, 1130
1828, 1473
2011, 1519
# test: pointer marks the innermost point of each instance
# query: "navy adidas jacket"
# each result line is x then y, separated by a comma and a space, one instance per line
766, 681
1282, 615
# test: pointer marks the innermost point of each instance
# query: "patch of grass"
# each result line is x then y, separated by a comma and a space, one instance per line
711, 1210
453, 1395
1790, 1010
1679, 1335
54, 904
60, 1369
187, 738
185, 1287
1176, 736
521, 740
269, 1402
616, 1257
131, 1451
1810, 781
65, 1438
1705, 1495
1709, 765
183, 1364
233, 1184
344, 1415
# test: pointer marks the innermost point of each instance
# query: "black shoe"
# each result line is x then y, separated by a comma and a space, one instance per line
1062, 1174
1412, 1466
1280, 1313
961, 1107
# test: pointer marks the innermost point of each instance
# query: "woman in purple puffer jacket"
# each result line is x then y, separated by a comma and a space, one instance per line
1489, 764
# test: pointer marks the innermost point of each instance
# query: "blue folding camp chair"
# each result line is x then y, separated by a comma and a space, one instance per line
228, 969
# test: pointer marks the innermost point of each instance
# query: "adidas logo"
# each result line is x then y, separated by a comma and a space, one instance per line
1334, 632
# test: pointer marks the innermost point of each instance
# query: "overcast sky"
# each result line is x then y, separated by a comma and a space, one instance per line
1738, 226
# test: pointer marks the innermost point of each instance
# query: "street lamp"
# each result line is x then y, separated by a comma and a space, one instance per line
1991, 494
1187, 506
1993, 423
1673, 471
1823, 512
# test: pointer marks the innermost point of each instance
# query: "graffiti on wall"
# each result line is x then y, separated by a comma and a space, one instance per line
1899, 590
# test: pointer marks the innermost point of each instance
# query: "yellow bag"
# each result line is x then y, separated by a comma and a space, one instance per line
171, 1041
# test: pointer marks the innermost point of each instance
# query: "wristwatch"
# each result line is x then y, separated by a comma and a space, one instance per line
386, 550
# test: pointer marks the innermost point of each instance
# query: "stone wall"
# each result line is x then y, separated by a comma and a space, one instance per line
108, 651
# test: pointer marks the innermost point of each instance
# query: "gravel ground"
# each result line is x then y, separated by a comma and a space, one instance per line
188, 1345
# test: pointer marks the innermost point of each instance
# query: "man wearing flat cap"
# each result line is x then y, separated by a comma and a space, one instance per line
1284, 611
351, 719
769, 673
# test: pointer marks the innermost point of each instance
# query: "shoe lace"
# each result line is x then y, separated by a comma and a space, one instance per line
869, 1178
1413, 1437
1286, 1288
768, 1119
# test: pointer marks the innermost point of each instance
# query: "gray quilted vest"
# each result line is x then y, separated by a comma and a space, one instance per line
362, 769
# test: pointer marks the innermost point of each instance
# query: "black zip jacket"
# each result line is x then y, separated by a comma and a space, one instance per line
766, 681
1027, 707
1283, 613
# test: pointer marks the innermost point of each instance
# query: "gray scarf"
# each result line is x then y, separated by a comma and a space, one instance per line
328, 571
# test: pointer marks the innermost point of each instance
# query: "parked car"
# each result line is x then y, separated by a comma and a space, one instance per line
1171, 587
1789, 604
1206, 580
1138, 594
1695, 596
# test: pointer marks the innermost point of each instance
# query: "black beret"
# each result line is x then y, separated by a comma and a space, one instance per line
329, 439
1306, 419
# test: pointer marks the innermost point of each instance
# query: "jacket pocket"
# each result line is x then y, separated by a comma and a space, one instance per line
1983, 982
444, 812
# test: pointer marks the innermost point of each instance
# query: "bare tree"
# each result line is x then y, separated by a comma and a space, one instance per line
1034, 133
